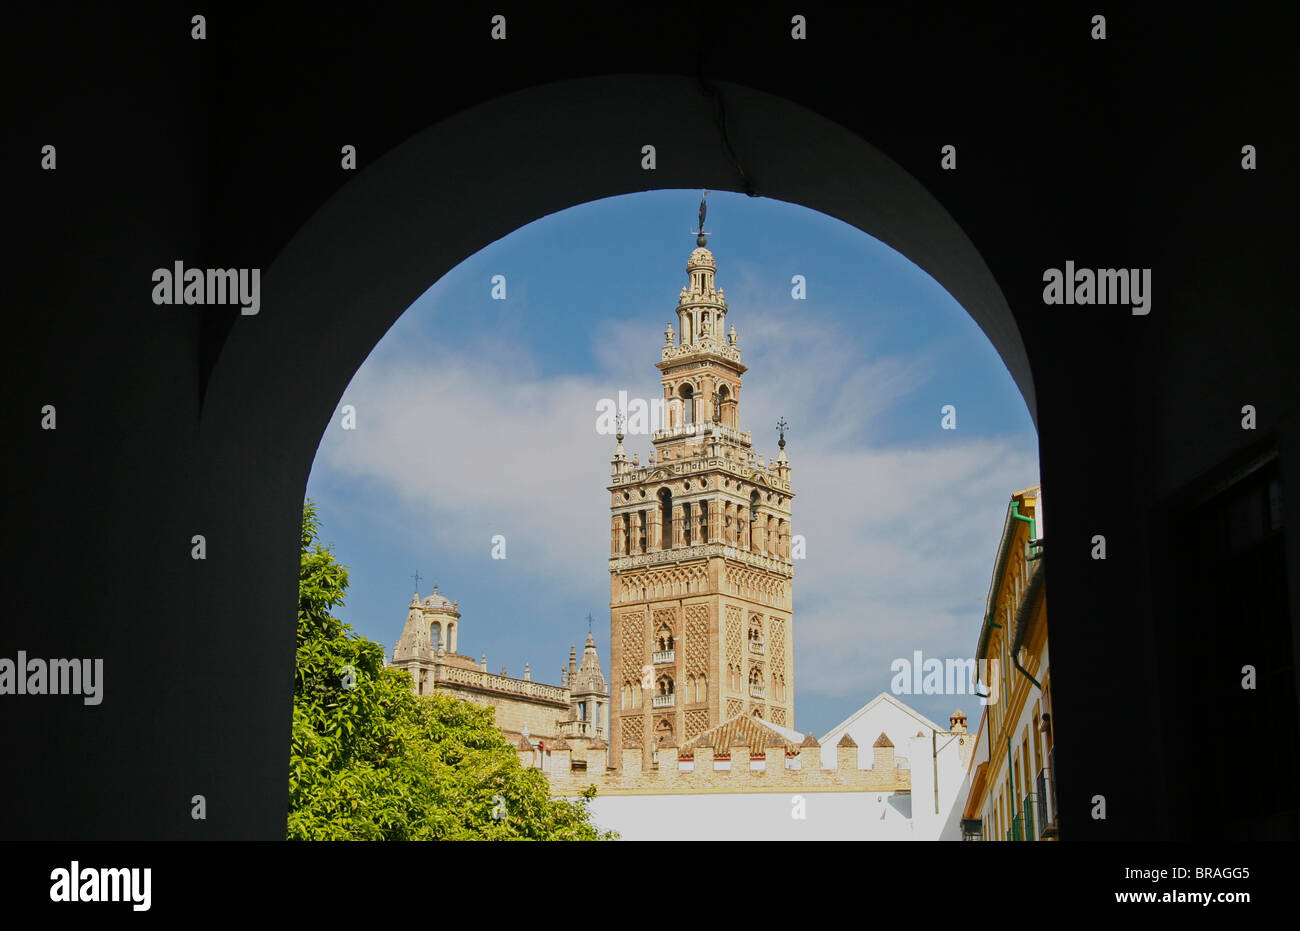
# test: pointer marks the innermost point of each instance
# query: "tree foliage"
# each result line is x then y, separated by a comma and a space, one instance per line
372, 761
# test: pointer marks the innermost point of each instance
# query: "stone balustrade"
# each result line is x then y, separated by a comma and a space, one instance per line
774, 564
455, 675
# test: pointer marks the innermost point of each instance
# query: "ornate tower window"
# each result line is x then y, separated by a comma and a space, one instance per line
687, 394
666, 518
665, 696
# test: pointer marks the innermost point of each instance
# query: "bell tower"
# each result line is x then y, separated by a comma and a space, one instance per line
701, 579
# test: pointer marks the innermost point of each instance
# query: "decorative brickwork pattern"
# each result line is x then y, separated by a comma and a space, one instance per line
665, 617
633, 644
755, 585
734, 707
697, 722
733, 635
778, 717
664, 583
697, 639
633, 729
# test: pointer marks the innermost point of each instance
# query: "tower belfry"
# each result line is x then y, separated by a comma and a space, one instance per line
701, 579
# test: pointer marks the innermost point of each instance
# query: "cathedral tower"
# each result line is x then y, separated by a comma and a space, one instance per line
701, 579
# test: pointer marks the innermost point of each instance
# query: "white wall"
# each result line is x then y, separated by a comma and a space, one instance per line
898, 724
901, 724
756, 816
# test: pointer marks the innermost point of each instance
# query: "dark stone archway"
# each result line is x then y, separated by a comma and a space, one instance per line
181, 421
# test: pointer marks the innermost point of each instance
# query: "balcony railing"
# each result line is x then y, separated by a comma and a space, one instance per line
581, 729
665, 701
1046, 825
665, 656
1028, 816
1051, 777
757, 691
972, 829
1016, 831
756, 646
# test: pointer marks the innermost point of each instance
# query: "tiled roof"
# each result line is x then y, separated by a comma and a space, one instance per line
741, 731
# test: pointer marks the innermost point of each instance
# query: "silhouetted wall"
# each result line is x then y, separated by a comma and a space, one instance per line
174, 421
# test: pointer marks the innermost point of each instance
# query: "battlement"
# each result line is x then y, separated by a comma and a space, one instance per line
775, 769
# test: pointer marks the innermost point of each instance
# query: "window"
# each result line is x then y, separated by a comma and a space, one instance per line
666, 518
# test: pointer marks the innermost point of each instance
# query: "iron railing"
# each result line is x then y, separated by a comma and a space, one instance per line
1044, 810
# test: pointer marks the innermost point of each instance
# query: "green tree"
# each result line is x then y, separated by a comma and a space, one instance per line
372, 761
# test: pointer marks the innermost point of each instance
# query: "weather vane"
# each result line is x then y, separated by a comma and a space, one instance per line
704, 211
782, 426
588, 622
417, 579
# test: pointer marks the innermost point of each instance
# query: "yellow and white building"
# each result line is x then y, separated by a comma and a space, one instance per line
1011, 777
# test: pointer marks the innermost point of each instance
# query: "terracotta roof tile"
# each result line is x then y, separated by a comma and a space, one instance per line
741, 731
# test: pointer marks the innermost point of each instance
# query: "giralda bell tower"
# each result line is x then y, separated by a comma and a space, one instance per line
701, 579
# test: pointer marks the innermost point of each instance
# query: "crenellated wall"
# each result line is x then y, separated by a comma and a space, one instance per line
708, 773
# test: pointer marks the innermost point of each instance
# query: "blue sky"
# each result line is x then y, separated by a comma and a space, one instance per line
477, 417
